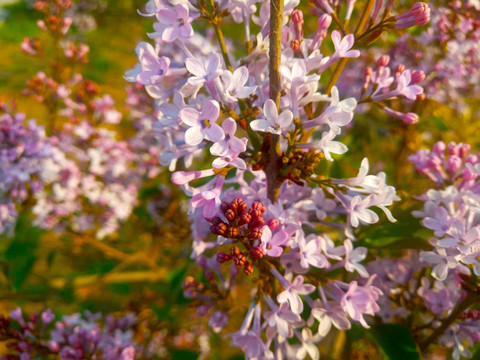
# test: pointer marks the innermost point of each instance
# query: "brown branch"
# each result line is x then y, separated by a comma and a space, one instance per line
276, 25
459, 309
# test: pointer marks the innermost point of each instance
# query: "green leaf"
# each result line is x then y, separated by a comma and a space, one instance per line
395, 342
20, 254
184, 354
405, 233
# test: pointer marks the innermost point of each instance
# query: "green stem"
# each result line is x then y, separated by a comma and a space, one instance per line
219, 33
341, 65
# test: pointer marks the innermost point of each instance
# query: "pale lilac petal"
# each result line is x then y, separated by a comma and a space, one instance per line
166, 16
190, 116
237, 145
239, 78
213, 61
193, 136
285, 119
170, 34
181, 11
211, 110
220, 148
186, 31
195, 67
229, 126
214, 133
260, 125
270, 111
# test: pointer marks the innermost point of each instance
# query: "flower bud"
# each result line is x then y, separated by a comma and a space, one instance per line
244, 219
257, 252
222, 257
235, 250
417, 76
273, 223
454, 163
239, 259
248, 268
224, 206
257, 222
400, 68
255, 234
230, 214
410, 118
232, 232
383, 61
439, 147
259, 206
453, 149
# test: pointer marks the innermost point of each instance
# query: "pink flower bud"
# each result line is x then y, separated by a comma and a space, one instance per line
464, 149
453, 149
384, 60
324, 22
297, 17
419, 14
417, 76
439, 147
454, 163
410, 118
273, 224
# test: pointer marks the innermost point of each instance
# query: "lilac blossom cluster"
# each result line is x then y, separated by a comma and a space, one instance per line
23, 150
73, 337
435, 288
278, 221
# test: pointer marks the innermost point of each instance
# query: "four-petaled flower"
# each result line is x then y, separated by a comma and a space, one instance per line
273, 123
176, 22
202, 125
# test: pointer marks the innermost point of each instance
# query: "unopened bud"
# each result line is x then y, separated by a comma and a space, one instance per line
384, 60
410, 118
257, 252
417, 76
248, 268
273, 223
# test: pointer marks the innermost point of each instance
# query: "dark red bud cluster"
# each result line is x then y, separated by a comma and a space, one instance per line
470, 315
238, 257
242, 222
192, 287
257, 252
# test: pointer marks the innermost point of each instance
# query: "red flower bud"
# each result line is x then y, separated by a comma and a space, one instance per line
230, 214
235, 250
384, 60
244, 219
232, 232
224, 206
248, 268
259, 206
222, 257
255, 234
257, 222
239, 259
257, 252
273, 223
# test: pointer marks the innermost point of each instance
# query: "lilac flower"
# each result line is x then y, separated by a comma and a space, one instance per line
353, 257
343, 46
230, 159
358, 211
209, 200
281, 318
272, 245
440, 223
309, 249
176, 23
404, 87
151, 69
234, 84
292, 291
202, 125
249, 340
326, 316
359, 300
307, 346
327, 145
205, 72
230, 142
273, 123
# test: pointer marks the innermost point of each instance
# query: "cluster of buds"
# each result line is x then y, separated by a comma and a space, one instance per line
299, 165
77, 52
238, 257
241, 222
470, 315
419, 14
192, 287
31, 46
42, 87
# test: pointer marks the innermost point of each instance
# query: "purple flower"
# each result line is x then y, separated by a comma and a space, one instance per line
202, 124
292, 291
234, 84
209, 200
326, 316
176, 23
281, 318
310, 249
230, 142
343, 46
272, 244
273, 123
205, 72
353, 257
151, 69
